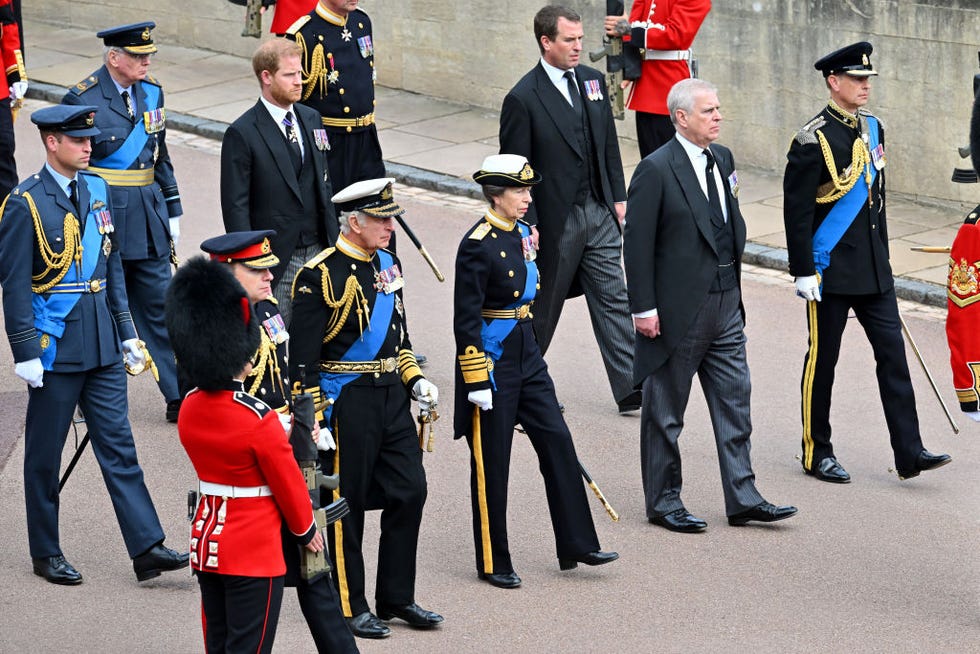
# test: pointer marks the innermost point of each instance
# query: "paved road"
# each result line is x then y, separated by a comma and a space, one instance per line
878, 565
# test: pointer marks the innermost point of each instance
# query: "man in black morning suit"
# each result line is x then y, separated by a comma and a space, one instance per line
270, 181
684, 238
558, 117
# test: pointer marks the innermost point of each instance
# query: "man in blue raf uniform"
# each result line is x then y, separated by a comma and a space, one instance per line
359, 361
131, 155
837, 237
64, 304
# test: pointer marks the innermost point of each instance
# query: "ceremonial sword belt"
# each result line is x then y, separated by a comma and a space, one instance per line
668, 55
225, 490
140, 177
360, 121
520, 313
91, 286
389, 364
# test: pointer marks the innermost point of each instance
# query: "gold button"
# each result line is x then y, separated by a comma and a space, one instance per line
346, 110
510, 273
320, 36
503, 254
493, 235
353, 267
377, 374
360, 25
341, 91
350, 129
517, 293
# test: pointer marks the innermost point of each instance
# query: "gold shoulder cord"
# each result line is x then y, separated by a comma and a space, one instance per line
860, 156
59, 261
353, 295
265, 361
315, 75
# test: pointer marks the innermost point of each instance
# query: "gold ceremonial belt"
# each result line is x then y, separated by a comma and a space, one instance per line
521, 312
143, 177
360, 121
91, 286
382, 365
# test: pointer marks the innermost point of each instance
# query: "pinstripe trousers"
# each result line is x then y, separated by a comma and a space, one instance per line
714, 348
282, 289
589, 249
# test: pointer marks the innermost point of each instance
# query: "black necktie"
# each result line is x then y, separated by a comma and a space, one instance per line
292, 138
73, 196
713, 199
572, 89
129, 104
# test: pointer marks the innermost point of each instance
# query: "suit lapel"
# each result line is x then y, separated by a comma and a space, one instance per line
556, 106
269, 132
726, 169
57, 194
691, 188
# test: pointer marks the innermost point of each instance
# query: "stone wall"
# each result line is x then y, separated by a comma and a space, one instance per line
758, 52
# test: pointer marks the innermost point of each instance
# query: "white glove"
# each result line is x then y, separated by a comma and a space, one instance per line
973, 415
808, 288
18, 90
326, 441
133, 353
483, 399
30, 371
286, 421
175, 230
426, 393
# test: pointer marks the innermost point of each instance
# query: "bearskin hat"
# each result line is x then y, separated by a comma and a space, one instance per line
213, 330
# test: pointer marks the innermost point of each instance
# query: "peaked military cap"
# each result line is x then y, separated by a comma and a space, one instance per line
134, 39
73, 120
852, 60
251, 249
506, 170
371, 196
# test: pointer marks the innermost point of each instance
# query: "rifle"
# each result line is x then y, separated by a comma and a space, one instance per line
622, 60
312, 564
253, 19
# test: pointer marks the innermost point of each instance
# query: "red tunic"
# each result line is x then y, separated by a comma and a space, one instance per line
963, 314
9, 47
234, 439
286, 13
671, 25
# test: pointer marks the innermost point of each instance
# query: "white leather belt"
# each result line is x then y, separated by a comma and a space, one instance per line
224, 490
667, 55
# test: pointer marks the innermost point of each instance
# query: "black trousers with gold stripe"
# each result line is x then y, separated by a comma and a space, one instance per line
525, 394
380, 465
878, 315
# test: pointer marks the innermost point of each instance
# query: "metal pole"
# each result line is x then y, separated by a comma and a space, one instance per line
925, 369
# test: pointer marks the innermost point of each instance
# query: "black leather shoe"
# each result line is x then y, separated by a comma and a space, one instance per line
925, 461
173, 410
590, 558
501, 579
367, 625
764, 512
680, 521
829, 469
631, 402
156, 560
57, 570
421, 359
412, 613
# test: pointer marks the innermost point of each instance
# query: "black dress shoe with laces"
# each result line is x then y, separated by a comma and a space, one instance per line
501, 579
412, 613
764, 512
57, 570
156, 560
925, 461
630, 403
590, 558
829, 469
367, 625
680, 521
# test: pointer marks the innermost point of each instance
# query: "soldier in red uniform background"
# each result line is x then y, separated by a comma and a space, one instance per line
11, 93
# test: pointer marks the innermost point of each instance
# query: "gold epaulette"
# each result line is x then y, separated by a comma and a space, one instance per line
480, 231
408, 366
474, 365
152, 80
808, 133
319, 258
298, 24
86, 84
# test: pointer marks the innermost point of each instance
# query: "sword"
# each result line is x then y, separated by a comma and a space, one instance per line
925, 369
932, 249
598, 493
421, 248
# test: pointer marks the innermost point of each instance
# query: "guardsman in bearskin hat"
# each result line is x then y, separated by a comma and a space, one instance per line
358, 358
131, 155
250, 258
502, 379
69, 327
249, 481
837, 237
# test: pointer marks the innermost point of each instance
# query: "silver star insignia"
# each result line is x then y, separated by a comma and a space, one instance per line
346, 35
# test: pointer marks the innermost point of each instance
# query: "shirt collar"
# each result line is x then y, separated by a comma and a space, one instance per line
499, 221
323, 12
278, 113
61, 180
556, 75
693, 151
351, 250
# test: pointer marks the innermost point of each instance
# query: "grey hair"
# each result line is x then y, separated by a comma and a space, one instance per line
682, 95
106, 49
345, 225
491, 191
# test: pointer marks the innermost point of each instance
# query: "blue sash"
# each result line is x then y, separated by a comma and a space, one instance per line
366, 347
497, 330
50, 312
844, 212
129, 151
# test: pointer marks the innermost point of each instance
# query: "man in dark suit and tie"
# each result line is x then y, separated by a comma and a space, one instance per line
274, 172
557, 116
684, 237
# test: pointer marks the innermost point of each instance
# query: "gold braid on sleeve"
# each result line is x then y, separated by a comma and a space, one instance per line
353, 296
314, 69
839, 187
59, 261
